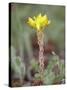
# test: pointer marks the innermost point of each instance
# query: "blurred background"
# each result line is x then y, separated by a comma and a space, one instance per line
24, 39
19, 28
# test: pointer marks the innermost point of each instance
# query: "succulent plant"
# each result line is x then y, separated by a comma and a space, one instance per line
54, 73
34, 65
17, 65
39, 23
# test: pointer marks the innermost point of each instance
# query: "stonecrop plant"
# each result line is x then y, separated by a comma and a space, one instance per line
39, 23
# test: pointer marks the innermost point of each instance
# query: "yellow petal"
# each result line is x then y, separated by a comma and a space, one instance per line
37, 26
45, 16
39, 15
31, 22
49, 22
39, 22
34, 17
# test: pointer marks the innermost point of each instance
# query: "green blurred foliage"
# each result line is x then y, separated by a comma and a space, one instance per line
17, 65
19, 27
54, 73
34, 65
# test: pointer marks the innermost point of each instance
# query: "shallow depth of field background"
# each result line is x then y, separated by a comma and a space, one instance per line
19, 26
23, 37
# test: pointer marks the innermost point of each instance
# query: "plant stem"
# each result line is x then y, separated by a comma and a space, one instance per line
40, 36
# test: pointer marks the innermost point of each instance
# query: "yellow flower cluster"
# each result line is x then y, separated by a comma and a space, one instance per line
39, 22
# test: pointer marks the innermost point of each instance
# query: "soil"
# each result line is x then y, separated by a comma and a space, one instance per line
36, 82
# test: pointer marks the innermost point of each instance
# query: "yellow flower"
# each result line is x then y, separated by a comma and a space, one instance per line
39, 22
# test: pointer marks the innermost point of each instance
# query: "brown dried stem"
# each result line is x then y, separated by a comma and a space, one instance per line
40, 36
